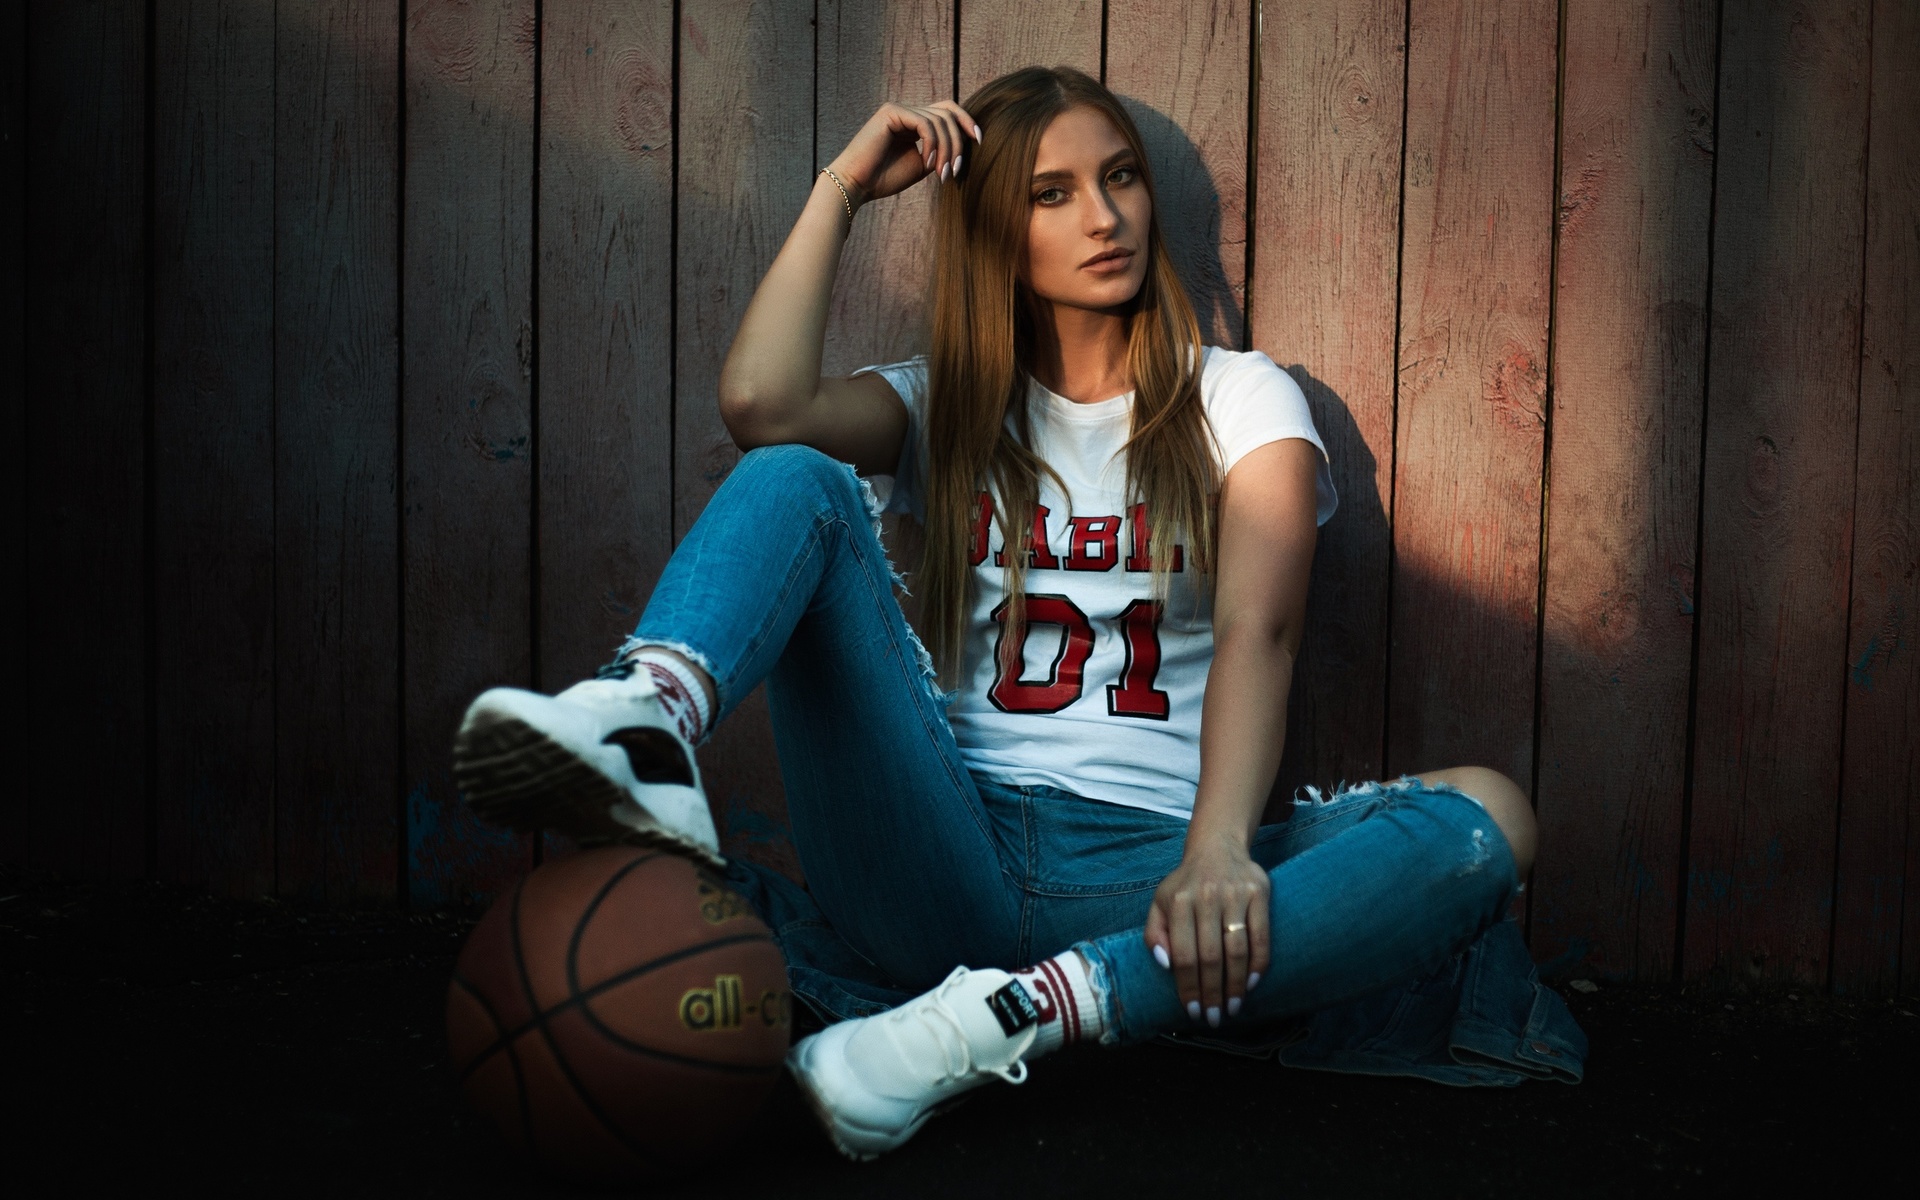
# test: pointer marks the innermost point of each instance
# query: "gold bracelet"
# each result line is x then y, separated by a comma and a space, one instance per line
845, 199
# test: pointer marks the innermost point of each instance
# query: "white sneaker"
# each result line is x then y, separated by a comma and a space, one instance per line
873, 1082
600, 762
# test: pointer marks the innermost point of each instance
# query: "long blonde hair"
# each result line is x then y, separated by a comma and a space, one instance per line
978, 426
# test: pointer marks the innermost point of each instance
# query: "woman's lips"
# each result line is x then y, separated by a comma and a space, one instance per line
1110, 266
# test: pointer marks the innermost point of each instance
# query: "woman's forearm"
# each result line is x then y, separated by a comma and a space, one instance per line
1243, 728
773, 365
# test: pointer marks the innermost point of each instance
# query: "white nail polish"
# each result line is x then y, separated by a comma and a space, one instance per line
1233, 1006
976, 135
1193, 1010
1253, 980
1213, 1017
943, 170
1160, 956
957, 164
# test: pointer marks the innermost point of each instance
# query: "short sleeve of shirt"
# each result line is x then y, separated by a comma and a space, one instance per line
909, 378
1251, 402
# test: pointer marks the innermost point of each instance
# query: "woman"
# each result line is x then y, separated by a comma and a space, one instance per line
1066, 846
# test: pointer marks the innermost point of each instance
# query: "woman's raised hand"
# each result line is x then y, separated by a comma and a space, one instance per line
901, 144
1208, 926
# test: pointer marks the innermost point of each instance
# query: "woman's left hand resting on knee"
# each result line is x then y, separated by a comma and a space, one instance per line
1209, 919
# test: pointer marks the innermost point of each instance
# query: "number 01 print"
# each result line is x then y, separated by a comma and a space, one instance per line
1133, 696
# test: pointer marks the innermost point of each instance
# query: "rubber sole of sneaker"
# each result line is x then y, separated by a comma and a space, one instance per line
838, 1131
514, 775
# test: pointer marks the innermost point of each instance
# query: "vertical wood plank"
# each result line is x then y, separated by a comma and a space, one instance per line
1782, 404
1326, 264
13, 384
746, 103
1184, 72
997, 36
213, 444
88, 785
873, 51
606, 295
1629, 363
467, 402
336, 391
1879, 841
1471, 418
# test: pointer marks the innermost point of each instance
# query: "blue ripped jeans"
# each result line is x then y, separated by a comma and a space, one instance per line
914, 866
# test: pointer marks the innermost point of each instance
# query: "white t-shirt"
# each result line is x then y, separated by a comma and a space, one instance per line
1108, 703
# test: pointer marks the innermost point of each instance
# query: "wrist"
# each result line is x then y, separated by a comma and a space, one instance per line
1207, 837
857, 188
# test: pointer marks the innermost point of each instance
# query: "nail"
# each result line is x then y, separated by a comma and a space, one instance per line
1213, 1016
1160, 956
1253, 980
943, 169
956, 165
1193, 1010
976, 134
1233, 1006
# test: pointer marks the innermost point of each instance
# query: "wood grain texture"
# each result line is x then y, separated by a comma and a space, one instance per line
606, 298
13, 388
1879, 860
467, 427
336, 395
870, 52
1782, 403
1628, 379
86, 649
1471, 418
746, 121
213, 444
1184, 71
997, 36
1326, 262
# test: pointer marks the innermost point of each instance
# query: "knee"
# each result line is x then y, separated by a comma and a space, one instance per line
1504, 801
797, 469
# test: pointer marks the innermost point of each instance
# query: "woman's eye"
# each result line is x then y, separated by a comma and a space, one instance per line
1053, 192
1121, 175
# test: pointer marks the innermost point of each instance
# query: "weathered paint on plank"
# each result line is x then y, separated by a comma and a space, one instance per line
467, 450
336, 395
1471, 416
213, 445
606, 299
1879, 862
1782, 403
1322, 303
1629, 379
997, 36
1183, 70
746, 104
88, 785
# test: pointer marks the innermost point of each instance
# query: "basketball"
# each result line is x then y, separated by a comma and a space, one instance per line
619, 1014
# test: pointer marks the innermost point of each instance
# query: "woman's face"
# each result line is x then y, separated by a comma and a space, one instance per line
1089, 214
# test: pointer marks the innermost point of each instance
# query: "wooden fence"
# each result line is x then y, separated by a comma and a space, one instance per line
363, 355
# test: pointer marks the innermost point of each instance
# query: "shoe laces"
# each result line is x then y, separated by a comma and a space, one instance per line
943, 1025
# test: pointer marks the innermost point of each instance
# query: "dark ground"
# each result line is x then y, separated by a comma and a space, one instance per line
160, 1039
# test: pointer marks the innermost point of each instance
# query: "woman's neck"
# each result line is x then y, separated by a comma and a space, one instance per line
1081, 353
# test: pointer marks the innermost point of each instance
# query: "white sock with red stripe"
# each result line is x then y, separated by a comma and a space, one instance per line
680, 692
1063, 997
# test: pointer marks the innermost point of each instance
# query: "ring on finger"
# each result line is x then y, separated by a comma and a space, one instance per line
1237, 927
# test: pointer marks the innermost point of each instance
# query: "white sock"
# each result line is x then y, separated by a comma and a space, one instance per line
1063, 997
680, 691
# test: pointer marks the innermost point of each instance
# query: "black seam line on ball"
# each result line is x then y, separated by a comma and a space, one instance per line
513, 1057
526, 985
582, 997
560, 1060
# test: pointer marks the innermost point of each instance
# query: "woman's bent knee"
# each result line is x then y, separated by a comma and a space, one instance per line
799, 469
1504, 801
